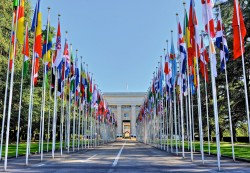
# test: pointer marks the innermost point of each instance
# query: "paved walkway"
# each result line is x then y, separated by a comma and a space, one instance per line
122, 157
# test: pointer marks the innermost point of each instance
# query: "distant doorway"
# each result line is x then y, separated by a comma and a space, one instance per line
126, 128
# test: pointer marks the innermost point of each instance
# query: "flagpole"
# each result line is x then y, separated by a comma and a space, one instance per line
54, 114
44, 86
31, 99
91, 120
79, 111
87, 112
199, 99
10, 97
86, 117
205, 82
214, 97
65, 83
187, 122
69, 104
168, 117
243, 68
175, 113
6, 87
227, 88
11, 94
189, 99
62, 101
164, 111
181, 97
21, 92
48, 137
83, 109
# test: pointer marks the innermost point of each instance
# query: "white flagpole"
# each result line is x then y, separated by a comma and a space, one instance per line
21, 94
214, 99
44, 86
208, 129
243, 68
54, 114
199, 100
79, 107
187, 122
189, 102
62, 103
86, 119
228, 97
31, 100
181, 96
10, 98
175, 113
48, 133
74, 113
69, 104
6, 88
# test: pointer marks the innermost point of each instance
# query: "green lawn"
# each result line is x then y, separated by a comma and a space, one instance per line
34, 148
241, 150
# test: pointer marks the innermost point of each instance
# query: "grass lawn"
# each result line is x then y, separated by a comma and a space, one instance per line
241, 150
34, 148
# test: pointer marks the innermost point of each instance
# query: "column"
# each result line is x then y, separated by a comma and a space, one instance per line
133, 120
119, 121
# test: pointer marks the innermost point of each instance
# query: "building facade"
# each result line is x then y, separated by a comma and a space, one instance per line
126, 107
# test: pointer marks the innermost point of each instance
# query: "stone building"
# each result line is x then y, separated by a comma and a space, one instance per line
126, 107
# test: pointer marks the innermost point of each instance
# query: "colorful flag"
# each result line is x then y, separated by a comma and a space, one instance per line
182, 48
187, 39
26, 53
221, 43
47, 44
66, 58
192, 23
94, 97
203, 61
239, 30
77, 78
20, 22
37, 27
207, 16
167, 70
58, 59
173, 62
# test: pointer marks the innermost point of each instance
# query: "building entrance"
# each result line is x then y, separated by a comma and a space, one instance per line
126, 129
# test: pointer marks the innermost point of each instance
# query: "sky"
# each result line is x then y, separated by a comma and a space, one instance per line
120, 40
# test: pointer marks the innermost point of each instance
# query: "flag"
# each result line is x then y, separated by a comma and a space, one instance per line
77, 78
173, 62
47, 45
187, 39
94, 97
83, 83
207, 16
20, 22
203, 61
12, 53
239, 30
37, 27
26, 53
58, 59
192, 23
72, 73
183, 53
221, 43
66, 58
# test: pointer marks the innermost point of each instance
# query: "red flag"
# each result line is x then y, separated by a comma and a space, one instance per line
239, 30
203, 61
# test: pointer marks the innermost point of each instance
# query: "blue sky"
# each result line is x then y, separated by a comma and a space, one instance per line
121, 40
